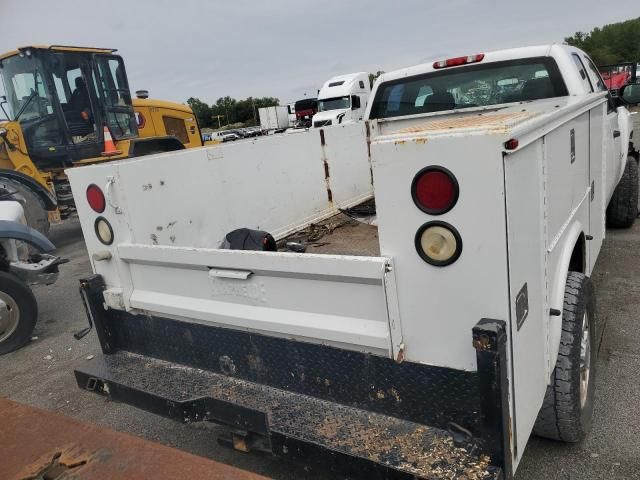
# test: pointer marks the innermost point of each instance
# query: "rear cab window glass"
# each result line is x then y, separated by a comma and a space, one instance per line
476, 85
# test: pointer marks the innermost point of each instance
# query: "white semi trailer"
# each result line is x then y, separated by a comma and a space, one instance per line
431, 342
274, 119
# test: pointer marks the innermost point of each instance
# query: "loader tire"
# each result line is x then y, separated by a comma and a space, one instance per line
34, 209
623, 207
18, 313
567, 410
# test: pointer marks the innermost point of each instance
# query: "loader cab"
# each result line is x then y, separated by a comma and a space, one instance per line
63, 97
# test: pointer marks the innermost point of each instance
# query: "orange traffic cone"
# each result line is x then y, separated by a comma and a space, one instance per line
109, 146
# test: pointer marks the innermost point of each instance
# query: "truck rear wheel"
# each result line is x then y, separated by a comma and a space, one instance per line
18, 313
567, 410
34, 208
623, 208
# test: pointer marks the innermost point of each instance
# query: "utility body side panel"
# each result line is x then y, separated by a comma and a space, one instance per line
440, 305
526, 226
548, 198
195, 197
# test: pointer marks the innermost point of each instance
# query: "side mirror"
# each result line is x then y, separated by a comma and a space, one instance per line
630, 94
355, 102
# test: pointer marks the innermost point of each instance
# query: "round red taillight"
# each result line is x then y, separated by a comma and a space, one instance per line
95, 198
434, 190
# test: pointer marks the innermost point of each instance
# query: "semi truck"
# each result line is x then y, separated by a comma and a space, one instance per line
274, 119
342, 99
304, 111
404, 297
61, 105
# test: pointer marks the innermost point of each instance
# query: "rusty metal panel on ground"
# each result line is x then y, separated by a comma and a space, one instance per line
37, 444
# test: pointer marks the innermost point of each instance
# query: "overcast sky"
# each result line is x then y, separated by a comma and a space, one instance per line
182, 48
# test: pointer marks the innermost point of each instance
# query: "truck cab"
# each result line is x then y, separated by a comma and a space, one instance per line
342, 99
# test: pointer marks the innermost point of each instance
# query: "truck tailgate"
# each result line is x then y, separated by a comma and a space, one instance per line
336, 300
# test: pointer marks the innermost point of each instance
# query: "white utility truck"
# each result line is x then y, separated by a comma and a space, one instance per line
342, 99
274, 119
426, 335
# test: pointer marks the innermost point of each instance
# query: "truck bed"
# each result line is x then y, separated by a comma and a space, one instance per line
338, 235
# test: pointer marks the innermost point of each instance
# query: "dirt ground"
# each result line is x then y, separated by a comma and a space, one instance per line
41, 374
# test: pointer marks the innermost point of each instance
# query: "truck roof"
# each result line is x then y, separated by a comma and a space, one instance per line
340, 85
494, 56
60, 48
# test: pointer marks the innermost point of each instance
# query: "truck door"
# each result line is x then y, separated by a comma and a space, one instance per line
598, 126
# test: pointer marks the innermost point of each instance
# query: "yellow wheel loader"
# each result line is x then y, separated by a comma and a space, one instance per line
61, 103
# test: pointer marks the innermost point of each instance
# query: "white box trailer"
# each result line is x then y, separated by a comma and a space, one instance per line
274, 119
430, 342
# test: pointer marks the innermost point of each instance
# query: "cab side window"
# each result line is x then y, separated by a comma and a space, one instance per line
595, 76
583, 72
594, 73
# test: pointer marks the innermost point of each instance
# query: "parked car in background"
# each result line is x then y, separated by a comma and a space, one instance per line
227, 135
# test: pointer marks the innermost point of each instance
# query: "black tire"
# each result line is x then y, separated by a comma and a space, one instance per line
13, 290
34, 209
623, 207
565, 414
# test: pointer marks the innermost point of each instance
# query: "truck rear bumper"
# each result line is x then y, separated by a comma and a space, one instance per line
353, 411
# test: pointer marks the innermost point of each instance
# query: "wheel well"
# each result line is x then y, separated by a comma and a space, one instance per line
50, 201
578, 256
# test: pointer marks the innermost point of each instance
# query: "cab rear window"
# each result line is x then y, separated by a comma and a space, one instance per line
470, 86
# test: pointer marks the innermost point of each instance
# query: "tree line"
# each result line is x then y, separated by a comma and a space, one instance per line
610, 44
228, 111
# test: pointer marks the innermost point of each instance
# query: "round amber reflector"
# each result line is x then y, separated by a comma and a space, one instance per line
104, 232
438, 243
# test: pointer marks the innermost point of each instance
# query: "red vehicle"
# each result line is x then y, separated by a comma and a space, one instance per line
305, 110
617, 76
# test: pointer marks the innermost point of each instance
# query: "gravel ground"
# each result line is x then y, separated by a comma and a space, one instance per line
41, 375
